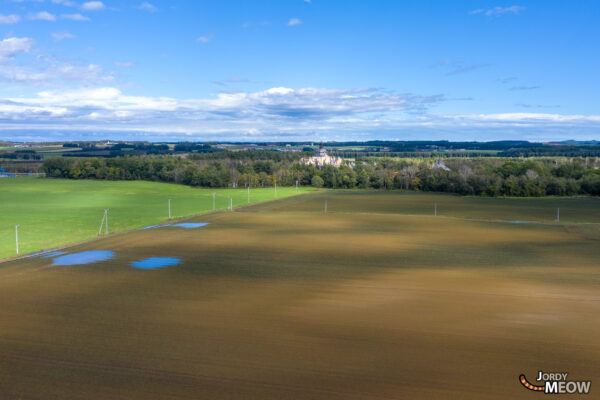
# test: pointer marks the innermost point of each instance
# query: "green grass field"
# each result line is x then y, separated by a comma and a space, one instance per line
281, 301
54, 212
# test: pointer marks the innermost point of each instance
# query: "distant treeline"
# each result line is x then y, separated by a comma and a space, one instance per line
424, 149
21, 155
411, 154
503, 148
24, 166
552, 151
116, 150
485, 177
252, 155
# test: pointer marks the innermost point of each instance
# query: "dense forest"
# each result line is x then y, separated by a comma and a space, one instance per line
468, 176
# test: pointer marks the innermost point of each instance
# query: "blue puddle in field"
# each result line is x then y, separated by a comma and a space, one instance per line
151, 227
51, 254
88, 257
186, 225
47, 253
502, 221
155, 262
85, 257
189, 225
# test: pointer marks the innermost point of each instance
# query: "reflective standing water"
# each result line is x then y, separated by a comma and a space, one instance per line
85, 257
155, 262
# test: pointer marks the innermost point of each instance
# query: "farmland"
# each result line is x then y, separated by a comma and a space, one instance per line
574, 209
376, 299
54, 212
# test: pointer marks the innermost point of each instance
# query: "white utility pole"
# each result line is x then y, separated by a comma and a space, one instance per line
169, 208
325, 206
558, 215
101, 225
214, 201
296, 185
17, 237
104, 223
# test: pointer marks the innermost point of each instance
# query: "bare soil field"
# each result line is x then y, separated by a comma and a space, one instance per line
282, 301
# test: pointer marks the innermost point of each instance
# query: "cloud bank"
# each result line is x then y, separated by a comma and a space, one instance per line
275, 114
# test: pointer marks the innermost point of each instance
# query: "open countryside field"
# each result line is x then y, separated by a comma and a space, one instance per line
280, 300
55, 212
515, 209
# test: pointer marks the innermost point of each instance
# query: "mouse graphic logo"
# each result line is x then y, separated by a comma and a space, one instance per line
555, 383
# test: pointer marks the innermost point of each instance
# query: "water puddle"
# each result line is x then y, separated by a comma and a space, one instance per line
51, 254
155, 262
47, 253
189, 225
85, 257
186, 225
151, 227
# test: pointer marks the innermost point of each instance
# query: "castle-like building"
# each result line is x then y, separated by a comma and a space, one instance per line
440, 165
321, 159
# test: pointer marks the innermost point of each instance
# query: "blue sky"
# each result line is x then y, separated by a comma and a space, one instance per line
299, 70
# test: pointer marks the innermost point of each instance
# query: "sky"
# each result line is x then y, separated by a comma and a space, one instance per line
295, 70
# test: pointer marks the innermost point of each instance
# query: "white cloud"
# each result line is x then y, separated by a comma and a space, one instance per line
462, 69
59, 36
9, 19
205, 38
91, 73
124, 64
270, 114
148, 7
520, 118
276, 107
93, 6
74, 17
294, 22
46, 70
42, 16
10, 47
518, 88
497, 11
66, 3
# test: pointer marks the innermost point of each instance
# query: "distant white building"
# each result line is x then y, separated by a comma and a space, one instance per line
440, 164
321, 159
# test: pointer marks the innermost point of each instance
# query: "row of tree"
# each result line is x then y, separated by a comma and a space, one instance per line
475, 176
21, 155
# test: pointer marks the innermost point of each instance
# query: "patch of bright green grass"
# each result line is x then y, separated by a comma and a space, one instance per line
54, 212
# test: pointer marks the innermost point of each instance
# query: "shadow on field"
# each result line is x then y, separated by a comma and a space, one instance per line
291, 246
297, 305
